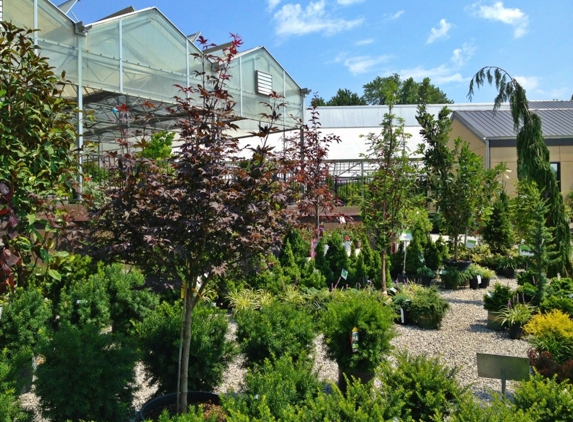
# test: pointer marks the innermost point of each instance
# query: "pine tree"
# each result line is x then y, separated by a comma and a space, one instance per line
336, 257
497, 232
532, 157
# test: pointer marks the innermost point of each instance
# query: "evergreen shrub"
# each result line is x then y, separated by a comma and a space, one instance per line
26, 318
429, 389
374, 320
274, 386
545, 399
86, 375
278, 329
158, 338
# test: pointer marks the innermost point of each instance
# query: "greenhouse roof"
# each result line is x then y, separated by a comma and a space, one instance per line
128, 66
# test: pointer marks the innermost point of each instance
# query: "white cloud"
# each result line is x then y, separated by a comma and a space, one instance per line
514, 17
529, 83
439, 75
439, 33
460, 56
363, 64
347, 2
292, 19
272, 4
364, 42
444, 73
395, 15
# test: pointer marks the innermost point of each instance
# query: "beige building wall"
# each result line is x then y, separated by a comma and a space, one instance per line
476, 144
559, 154
507, 155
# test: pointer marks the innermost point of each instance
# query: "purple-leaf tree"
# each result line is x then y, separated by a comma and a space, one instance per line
211, 208
310, 170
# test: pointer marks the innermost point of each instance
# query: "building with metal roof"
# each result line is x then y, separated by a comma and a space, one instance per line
492, 136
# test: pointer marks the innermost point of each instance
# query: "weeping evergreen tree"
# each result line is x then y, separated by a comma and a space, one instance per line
532, 157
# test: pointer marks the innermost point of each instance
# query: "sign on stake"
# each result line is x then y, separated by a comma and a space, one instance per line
503, 367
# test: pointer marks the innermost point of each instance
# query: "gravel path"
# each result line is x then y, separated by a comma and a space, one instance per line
462, 335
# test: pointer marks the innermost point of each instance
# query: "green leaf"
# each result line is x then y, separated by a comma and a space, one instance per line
54, 274
31, 218
44, 255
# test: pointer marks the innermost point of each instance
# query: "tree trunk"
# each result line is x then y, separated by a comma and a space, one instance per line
383, 255
189, 303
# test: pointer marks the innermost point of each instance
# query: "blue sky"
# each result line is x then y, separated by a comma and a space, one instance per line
330, 44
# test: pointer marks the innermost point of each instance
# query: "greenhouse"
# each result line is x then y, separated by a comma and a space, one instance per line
124, 70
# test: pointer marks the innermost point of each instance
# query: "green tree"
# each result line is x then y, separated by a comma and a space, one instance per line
345, 97
529, 209
391, 193
317, 101
336, 258
379, 91
461, 187
158, 147
532, 157
37, 161
497, 232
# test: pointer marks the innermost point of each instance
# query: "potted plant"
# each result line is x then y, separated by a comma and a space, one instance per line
506, 266
515, 317
357, 328
401, 303
453, 278
428, 308
425, 275
480, 276
495, 301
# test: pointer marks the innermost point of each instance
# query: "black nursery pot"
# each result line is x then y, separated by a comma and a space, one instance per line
458, 265
484, 283
161, 402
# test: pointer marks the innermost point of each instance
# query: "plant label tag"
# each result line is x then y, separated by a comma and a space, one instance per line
479, 279
525, 250
402, 316
354, 340
470, 244
406, 236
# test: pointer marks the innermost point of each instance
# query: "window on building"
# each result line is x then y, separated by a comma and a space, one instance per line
556, 168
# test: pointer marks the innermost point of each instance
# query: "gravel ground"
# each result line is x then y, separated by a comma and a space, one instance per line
462, 335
